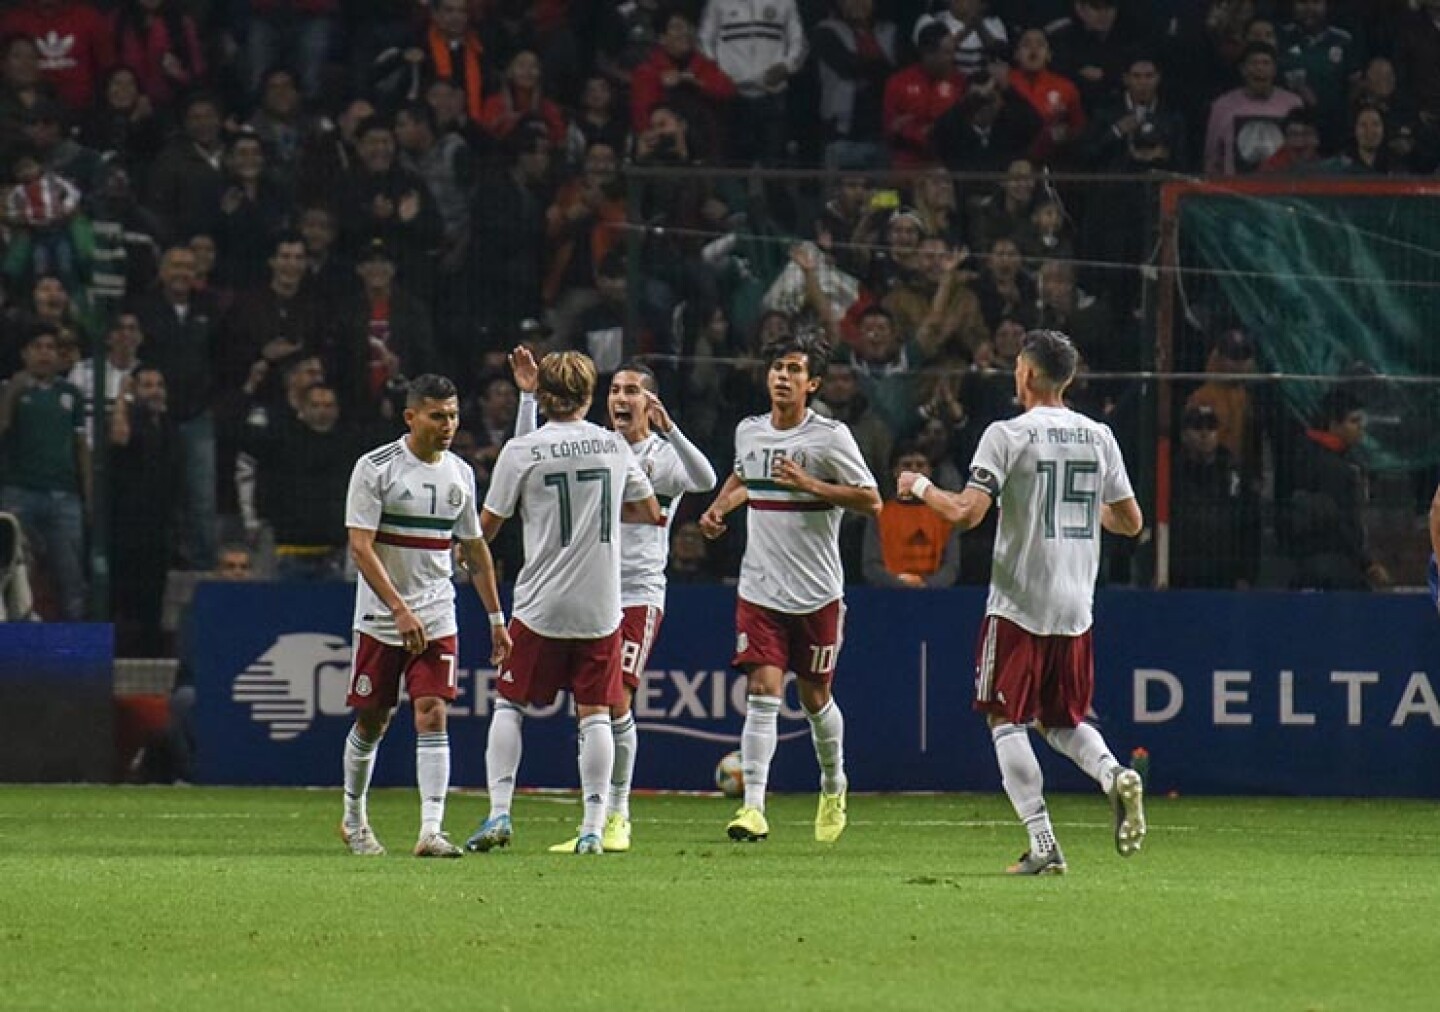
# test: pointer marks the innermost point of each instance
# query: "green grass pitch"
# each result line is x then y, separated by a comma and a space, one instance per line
173, 898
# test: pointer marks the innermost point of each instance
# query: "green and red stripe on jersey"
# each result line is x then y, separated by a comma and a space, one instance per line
424, 533
780, 499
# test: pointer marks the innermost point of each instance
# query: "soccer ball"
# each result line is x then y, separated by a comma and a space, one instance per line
730, 776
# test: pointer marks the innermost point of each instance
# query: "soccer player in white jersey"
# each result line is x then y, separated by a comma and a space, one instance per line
574, 484
1058, 477
797, 470
406, 501
674, 466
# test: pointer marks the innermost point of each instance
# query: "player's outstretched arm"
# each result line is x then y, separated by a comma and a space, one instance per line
965, 509
1123, 517
372, 571
481, 567
862, 499
732, 495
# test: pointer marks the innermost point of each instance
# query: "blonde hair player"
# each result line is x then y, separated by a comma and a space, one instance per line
674, 466
574, 485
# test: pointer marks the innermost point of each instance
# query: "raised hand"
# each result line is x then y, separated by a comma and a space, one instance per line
527, 373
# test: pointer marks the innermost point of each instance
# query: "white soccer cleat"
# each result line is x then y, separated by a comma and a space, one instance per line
1127, 800
436, 845
361, 841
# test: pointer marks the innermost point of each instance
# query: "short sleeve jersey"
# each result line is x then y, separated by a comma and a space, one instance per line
792, 555
416, 509
1048, 470
568, 480
645, 548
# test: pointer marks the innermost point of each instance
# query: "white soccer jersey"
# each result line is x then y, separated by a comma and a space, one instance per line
792, 554
644, 548
415, 509
569, 480
1049, 470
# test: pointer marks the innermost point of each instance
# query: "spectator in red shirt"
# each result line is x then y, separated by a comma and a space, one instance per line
158, 41
1053, 97
677, 75
522, 96
74, 42
918, 95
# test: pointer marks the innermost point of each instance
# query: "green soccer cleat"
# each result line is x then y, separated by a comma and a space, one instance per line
830, 817
361, 840
748, 826
1049, 863
568, 847
1127, 800
616, 836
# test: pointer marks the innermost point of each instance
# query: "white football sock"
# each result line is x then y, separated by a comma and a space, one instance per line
827, 731
502, 756
627, 741
1024, 784
359, 765
597, 759
1086, 748
757, 746
432, 775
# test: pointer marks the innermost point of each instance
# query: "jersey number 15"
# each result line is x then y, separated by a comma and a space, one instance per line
1068, 490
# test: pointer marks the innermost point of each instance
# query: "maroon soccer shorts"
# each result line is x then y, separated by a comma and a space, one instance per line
539, 667
378, 668
1023, 677
638, 630
808, 645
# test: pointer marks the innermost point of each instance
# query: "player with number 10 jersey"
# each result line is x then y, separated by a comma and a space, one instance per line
797, 471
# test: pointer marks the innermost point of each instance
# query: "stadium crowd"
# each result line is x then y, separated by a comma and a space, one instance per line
249, 222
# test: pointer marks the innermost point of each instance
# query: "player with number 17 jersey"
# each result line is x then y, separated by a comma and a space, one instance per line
569, 480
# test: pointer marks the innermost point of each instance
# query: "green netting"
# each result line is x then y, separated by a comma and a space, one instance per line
1330, 286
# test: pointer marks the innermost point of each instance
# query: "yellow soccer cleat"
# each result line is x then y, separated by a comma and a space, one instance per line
616, 836
568, 847
830, 817
748, 826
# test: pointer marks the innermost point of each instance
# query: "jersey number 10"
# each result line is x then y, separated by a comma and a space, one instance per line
560, 481
1068, 491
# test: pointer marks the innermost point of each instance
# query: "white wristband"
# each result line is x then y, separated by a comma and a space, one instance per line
921, 486
497, 619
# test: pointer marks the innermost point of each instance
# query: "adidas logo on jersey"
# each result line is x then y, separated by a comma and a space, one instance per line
56, 50
508, 677
406, 495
